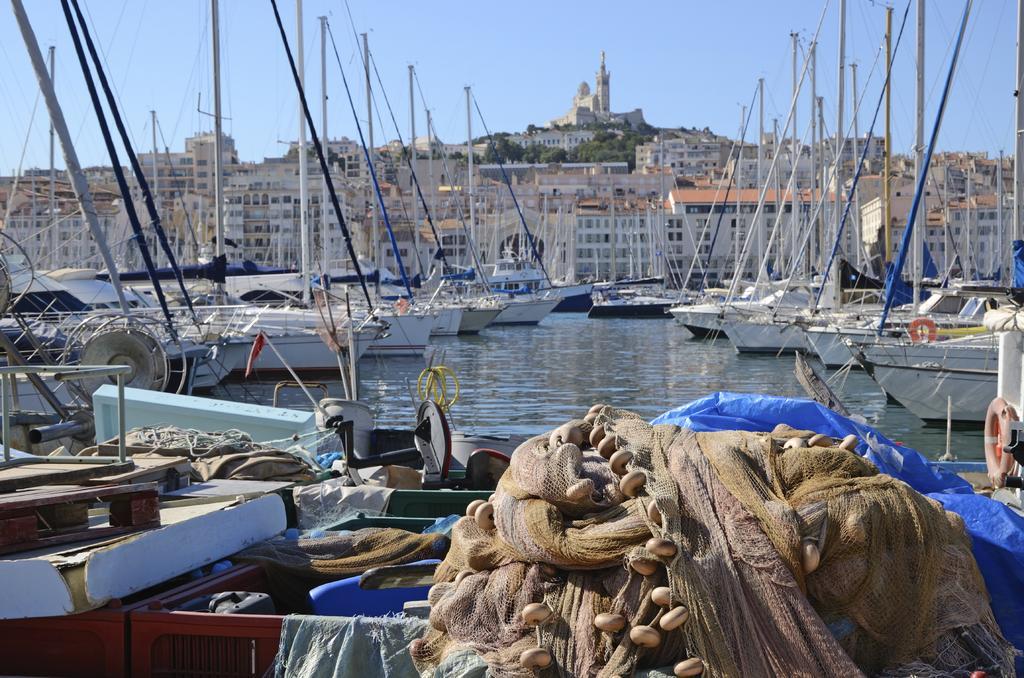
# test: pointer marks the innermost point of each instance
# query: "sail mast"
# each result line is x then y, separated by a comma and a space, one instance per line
837, 152
916, 253
218, 145
54, 241
303, 169
78, 181
887, 160
469, 170
325, 248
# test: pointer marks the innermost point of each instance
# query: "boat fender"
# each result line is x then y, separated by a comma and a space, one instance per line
997, 433
922, 331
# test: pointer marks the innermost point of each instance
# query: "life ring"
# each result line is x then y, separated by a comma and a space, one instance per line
922, 330
997, 432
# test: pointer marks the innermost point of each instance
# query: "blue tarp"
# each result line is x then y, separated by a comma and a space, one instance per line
1018, 263
997, 533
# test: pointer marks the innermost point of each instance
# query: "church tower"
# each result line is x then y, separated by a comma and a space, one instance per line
602, 90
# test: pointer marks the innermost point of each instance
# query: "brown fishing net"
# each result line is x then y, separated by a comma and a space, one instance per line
783, 559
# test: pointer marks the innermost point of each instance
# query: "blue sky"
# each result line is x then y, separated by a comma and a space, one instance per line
684, 62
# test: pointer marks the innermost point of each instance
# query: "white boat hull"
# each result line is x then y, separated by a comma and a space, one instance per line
755, 336
476, 319
447, 321
526, 311
926, 391
408, 336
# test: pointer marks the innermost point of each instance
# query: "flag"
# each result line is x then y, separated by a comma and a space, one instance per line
254, 352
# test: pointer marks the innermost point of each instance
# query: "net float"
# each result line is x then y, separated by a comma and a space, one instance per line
535, 658
653, 513
689, 667
597, 435
484, 516
661, 547
566, 433
819, 440
793, 443
662, 596
619, 461
612, 623
849, 443
596, 408
590, 418
810, 556
579, 490
674, 618
631, 483
473, 506
606, 448
644, 566
535, 614
645, 636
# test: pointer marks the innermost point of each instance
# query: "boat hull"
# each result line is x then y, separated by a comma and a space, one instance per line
476, 319
659, 311
408, 337
447, 321
574, 298
764, 337
525, 312
925, 391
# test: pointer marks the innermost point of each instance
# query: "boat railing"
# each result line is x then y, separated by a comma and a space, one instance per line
61, 373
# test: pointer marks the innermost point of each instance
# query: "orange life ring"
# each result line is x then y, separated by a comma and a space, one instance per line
922, 330
997, 432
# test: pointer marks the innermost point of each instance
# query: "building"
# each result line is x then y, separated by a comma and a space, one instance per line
566, 139
614, 239
589, 107
688, 154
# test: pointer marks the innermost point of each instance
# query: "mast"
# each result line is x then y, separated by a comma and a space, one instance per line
78, 181
916, 253
324, 198
54, 240
738, 170
856, 160
218, 144
1018, 146
840, 133
794, 217
887, 153
997, 253
776, 149
760, 154
412, 159
375, 246
303, 168
469, 171
815, 239
614, 237
156, 172
430, 165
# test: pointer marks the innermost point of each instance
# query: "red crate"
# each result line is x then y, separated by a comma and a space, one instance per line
78, 646
84, 645
170, 644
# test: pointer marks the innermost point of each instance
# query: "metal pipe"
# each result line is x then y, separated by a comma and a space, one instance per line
45, 434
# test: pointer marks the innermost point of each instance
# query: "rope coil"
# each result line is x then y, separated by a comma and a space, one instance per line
433, 384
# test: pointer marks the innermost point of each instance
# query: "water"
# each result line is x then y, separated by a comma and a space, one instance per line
528, 379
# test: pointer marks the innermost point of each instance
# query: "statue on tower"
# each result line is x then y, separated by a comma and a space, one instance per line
602, 93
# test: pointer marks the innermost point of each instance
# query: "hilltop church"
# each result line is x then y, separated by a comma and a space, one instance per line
595, 107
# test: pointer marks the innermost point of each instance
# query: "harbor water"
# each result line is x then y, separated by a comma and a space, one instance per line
528, 379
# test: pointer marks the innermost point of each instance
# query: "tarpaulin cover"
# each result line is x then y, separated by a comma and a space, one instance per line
997, 533
1018, 263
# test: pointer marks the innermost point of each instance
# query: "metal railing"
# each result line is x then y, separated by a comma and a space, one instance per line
62, 373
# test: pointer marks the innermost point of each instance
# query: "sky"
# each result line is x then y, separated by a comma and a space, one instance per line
684, 62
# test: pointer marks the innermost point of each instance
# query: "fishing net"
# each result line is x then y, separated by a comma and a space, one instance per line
294, 566
781, 558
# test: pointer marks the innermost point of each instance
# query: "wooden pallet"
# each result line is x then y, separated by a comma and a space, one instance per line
56, 515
